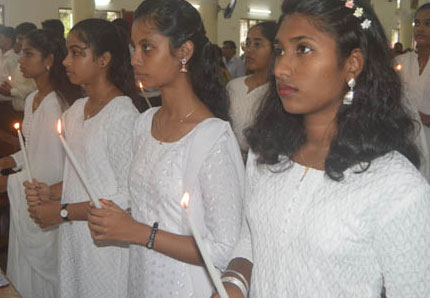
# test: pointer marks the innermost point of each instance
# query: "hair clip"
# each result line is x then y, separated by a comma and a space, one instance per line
358, 13
366, 24
349, 4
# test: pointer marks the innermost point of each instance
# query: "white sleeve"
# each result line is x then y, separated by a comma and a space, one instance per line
402, 242
120, 152
221, 183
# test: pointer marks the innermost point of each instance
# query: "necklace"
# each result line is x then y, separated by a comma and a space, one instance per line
180, 121
307, 168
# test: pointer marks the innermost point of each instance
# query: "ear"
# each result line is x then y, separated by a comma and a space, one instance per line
354, 64
186, 50
49, 60
104, 60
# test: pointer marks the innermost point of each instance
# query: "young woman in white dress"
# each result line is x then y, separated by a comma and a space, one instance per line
98, 129
186, 145
336, 206
247, 93
32, 257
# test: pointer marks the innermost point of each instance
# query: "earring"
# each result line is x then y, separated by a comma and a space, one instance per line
184, 65
47, 68
349, 96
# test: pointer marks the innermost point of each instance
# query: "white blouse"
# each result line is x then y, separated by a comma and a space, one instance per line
157, 185
102, 145
310, 236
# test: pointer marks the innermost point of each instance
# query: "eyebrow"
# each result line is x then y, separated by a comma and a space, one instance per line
300, 38
79, 47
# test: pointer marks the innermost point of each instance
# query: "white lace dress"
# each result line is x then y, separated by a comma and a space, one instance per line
309, 236
102, 145
157, 185
32, 256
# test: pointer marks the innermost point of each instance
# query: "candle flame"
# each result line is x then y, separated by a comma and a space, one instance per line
59, 127
16, 125
398, 67
141, 86
9, 78
185, 200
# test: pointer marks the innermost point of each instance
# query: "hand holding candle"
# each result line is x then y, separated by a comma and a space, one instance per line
24, 153
77, 167
203, 251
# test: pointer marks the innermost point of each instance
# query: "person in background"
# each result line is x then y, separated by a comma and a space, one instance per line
55, 25
9, 59
398, 49
18, 87
246, 93
225, 76
336, 206
32, 256
98, 129
234, 64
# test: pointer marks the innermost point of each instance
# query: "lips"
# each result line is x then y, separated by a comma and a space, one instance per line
139, 76
285, 90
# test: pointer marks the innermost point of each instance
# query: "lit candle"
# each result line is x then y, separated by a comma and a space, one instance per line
398, 67
24, 153
142, 91
9, 78
77, 167
202, 248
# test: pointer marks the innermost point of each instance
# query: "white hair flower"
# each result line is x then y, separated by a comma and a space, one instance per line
366, 24
358, 12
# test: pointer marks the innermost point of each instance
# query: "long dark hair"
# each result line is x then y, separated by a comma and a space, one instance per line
375, 124
47, 42
103, 36
180, 21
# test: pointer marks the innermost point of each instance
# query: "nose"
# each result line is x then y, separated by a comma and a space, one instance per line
20, 60
136, 58
283, 67
66, 61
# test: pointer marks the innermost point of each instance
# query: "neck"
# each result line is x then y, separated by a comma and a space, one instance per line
178, 98
260, 77
423, 51
319, 131
44, 84
101, 90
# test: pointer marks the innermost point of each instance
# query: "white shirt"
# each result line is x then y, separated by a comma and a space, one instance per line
309, 236
236, 67
102, 146
157, 183
32, 259
244, 106
8, 63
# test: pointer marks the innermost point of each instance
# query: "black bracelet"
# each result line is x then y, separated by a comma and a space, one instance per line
150, 243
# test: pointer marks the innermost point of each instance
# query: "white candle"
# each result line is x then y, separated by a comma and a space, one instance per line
77, 167
24, 153
201, 245
143, 94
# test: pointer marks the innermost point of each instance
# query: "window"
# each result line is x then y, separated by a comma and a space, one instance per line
2, 14
66, 16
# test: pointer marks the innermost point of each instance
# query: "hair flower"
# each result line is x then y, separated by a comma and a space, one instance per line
366, 24
349, 4
358, 12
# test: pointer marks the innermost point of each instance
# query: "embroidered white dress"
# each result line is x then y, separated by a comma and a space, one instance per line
243, 107
321, 238
102, 145
157, 184
416, 91
32, 256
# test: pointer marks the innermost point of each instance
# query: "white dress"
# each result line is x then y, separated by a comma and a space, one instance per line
157, 183
244, 107
309, 236
32, 257
416, 97
102, 145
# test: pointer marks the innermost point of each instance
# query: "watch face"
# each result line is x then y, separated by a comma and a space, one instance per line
64, 213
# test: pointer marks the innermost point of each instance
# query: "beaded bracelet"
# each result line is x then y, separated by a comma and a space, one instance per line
240, 275
237, 282
150, 243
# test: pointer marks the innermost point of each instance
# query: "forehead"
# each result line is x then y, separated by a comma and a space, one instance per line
73, 39
423, 14
145, 30
256, 32
299, 25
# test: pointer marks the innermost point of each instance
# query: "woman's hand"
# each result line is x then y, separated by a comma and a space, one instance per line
425, 119
110, 223
36, 193
5, 88
46, 214
232, 291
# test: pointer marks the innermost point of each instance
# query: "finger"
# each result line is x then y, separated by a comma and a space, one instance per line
96, 228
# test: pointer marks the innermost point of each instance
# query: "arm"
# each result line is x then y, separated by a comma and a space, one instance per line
7, 163
425, 119
402, 242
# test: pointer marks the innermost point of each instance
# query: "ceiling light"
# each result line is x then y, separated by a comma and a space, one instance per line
102, 2
260, 11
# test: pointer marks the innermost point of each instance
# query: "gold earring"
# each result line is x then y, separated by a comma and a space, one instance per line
184, 65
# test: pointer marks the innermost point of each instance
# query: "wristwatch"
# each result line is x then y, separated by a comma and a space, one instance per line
64, 213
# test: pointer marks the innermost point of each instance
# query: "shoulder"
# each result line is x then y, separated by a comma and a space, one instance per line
236, 84
76, 107
30, 98
406, 56
123, 106
144, 120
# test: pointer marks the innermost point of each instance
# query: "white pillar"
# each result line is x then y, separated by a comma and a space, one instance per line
406, 19
82, 9
208, 12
